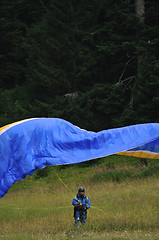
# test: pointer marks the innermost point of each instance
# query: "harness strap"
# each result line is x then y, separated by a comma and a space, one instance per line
77, 198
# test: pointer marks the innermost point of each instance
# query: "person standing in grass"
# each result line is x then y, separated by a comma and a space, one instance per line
81, 203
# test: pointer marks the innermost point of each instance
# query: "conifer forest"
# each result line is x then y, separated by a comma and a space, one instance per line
92, 63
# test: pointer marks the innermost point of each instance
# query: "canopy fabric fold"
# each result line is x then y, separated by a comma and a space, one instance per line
35, 143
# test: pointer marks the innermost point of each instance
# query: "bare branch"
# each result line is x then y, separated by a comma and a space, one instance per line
123, 72
128, 79
132, 97
71, 95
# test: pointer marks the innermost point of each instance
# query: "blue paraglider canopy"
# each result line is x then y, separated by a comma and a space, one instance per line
35, 143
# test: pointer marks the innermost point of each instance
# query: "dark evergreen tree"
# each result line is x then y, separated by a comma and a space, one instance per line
60, 55
87, 49
12, 61
15, 18
146, 97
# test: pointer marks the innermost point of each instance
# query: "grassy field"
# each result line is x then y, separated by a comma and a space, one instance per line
40, 206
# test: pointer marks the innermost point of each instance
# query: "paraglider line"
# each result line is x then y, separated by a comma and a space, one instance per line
62, 181
71, 191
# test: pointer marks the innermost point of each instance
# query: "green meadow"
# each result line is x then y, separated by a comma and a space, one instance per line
124, 193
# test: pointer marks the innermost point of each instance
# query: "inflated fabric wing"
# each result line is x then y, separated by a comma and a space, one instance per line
35, 143
148, 150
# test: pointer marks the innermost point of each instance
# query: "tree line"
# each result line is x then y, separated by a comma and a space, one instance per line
93, 63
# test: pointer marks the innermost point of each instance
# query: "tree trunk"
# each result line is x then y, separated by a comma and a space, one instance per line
140, 12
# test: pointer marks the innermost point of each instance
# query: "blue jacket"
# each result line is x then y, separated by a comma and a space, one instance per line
78, 201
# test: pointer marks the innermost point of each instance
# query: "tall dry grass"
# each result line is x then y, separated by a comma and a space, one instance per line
45, 211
